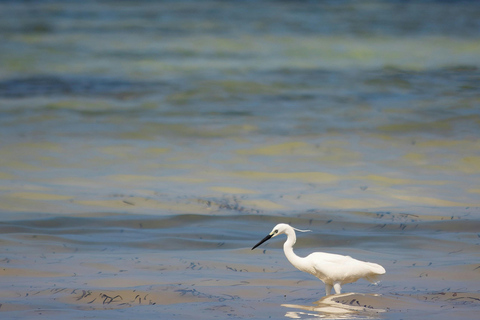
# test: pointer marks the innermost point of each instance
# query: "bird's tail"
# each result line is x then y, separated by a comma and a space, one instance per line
373, 278
376, 271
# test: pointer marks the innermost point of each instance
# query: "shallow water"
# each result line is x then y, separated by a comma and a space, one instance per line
145, 147
201, 266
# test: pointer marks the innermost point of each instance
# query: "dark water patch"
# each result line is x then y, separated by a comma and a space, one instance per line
76, 86
319, 219
174, 55
388, 79
278, 17
188, 232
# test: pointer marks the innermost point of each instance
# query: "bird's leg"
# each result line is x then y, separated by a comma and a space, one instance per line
328, 289
338, 288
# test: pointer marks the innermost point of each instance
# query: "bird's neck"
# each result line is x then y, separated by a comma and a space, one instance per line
288, 249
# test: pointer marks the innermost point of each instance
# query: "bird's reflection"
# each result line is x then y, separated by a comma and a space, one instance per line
341, 306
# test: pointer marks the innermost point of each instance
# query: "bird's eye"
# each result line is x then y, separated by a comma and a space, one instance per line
276, 231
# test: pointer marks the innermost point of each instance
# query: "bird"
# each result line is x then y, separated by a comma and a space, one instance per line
334, 270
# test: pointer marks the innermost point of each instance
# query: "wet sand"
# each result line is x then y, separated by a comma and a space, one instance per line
192, 266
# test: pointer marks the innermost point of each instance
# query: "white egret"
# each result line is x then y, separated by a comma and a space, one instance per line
332, 269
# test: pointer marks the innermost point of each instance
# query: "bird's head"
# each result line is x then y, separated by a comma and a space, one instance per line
280, 228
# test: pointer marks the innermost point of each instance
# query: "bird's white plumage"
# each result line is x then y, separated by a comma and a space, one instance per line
333, 269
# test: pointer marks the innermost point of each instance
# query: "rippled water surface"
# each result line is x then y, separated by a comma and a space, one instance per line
146, 146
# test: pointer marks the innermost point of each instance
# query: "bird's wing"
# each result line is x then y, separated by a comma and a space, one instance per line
329, 258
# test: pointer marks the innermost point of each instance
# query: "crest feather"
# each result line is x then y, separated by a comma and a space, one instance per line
301, 230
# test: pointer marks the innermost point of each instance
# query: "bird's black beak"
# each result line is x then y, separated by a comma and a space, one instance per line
263, 240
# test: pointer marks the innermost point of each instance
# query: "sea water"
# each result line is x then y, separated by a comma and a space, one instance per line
146, 146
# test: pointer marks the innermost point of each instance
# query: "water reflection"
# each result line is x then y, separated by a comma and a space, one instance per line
342, 306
